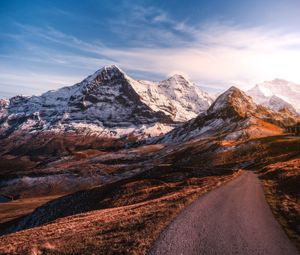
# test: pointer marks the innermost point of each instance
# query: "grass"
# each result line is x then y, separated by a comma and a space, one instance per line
281, 185
274, 202
127, 220
18, 208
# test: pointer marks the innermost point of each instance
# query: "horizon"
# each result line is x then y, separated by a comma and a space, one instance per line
202, 87
46, 45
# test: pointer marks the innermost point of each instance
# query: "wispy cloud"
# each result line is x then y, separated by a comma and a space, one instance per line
213, 54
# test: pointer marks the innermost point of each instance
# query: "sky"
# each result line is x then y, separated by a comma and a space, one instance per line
47, 44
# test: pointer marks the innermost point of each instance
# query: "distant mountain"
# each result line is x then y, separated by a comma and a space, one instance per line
277, 94
108, 103
278, 104
176, 96
235, 115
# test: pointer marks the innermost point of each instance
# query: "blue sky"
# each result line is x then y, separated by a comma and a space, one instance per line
48, 44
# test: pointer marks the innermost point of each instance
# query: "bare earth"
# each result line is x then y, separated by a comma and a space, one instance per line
234, 219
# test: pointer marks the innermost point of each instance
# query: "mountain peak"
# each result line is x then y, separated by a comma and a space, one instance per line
279, 81
177, 77
288, 91
231, 90
233, 102
176, 81
234, 88
106, 73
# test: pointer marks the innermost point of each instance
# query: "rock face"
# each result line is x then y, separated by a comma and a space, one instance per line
108, 103
235, 115
277, 94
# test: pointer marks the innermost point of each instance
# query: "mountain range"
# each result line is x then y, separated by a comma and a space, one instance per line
103, 166
108, 103
110, 110
111, 104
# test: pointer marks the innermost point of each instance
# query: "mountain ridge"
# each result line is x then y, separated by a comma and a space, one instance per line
233, 113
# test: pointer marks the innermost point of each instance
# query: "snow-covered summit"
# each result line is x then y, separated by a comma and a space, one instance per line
288, 92
278, 104
106, 73
176, 96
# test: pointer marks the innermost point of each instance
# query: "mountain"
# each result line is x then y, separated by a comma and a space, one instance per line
107, 103
277, 94
73, 196
176, 96
235, 115
278, 104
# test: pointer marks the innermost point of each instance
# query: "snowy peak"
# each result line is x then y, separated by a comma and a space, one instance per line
177, 97
106, 73
176, 81
278, 104
185, 98
288, 92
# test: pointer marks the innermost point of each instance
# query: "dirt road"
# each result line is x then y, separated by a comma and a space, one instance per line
233, 219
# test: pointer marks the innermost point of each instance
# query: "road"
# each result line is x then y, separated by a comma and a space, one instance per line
233, 219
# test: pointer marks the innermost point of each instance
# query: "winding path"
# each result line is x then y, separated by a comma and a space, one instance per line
233, 219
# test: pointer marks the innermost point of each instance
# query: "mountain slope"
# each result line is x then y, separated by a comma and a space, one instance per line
235, 114
277, 94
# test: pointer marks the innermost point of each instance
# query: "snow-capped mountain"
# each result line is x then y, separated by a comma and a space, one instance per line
277, 94
235, 116
176, 96
108, 103
278, 104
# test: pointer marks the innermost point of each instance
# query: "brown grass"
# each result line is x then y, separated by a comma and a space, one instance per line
135, 214
281, 184
18, 208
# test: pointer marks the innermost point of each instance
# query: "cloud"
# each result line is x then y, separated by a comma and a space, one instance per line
214, 55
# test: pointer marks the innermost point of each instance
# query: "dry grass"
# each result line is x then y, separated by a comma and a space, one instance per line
128, 220
281, 184
18, 208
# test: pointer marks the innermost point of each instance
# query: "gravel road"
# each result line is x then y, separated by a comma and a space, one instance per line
233, 219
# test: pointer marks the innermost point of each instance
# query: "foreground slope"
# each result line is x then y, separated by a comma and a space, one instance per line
127, 216
281, 183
